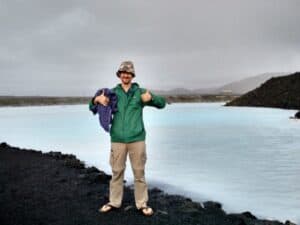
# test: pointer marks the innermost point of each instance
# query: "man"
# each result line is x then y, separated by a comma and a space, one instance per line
128, 137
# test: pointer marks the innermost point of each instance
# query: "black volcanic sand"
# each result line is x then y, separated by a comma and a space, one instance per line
52, 188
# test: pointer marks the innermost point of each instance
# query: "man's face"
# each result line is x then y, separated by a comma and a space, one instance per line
126, 78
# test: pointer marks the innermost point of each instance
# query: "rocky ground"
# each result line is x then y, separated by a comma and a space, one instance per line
52, 188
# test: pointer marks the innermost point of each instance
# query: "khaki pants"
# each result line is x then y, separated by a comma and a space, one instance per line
137, 156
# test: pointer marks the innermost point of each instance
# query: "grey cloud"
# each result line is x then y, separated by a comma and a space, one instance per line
185, 43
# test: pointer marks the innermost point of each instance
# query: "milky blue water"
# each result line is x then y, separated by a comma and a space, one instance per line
246, 158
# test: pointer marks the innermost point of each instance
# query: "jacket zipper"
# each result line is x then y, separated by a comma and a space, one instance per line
125, 110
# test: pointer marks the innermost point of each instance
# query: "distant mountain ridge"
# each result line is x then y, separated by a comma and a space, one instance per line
234, 88
277, 92
248, 84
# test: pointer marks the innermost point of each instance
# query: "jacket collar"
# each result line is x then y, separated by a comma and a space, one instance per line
132, 89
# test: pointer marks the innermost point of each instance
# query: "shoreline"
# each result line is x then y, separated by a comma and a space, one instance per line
6, 101
56, 188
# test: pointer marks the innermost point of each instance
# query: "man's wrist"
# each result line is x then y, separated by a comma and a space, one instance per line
152, 98
94, 101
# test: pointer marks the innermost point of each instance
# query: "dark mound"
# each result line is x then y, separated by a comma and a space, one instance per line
52, 188
280, 92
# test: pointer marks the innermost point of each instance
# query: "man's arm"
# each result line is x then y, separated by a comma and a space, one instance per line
98, 99
151, 99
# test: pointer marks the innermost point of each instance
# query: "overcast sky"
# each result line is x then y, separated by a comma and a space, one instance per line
66, 47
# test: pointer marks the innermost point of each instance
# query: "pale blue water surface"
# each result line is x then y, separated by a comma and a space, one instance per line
245, 158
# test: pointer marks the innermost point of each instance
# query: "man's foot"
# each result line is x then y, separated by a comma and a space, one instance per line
106, 208
146, 211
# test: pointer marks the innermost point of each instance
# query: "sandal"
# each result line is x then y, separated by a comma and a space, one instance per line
106, 208
146, 211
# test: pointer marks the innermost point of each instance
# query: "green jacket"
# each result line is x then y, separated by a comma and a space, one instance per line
127, 124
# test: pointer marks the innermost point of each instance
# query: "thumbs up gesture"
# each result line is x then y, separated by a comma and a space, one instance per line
146, 97
102, 99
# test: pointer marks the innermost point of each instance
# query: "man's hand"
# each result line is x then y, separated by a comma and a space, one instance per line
146, 97
102, 99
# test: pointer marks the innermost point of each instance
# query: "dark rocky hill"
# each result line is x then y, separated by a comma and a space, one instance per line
279, 92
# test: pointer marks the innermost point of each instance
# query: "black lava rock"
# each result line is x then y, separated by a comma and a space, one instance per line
277, 92
212, 205
4, 145
55, 188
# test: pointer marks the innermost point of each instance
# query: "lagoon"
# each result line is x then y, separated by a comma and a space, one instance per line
246, 158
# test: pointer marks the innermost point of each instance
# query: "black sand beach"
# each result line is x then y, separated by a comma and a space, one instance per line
52, 188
